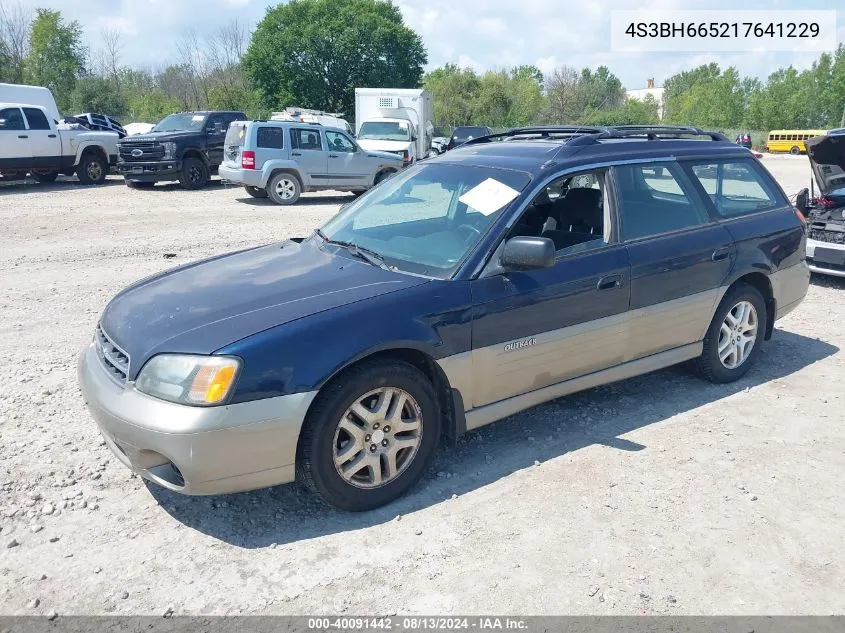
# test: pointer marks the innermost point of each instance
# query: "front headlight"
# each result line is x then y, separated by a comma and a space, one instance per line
189, 379
169, 150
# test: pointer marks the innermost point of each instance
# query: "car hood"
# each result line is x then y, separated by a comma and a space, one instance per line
161, 136
827, 159
200, 307
373, 145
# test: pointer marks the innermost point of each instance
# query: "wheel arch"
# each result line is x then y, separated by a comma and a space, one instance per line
193, 152
763, 284
91, 148
449, 399
283, 169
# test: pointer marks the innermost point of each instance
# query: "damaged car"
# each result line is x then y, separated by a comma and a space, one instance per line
826, 212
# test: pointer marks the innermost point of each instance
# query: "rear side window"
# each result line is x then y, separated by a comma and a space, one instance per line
36, 119
271, 137
736, 188
657, 198
11, 119
306, 139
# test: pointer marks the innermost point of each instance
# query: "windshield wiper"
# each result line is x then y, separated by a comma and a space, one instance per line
358, 251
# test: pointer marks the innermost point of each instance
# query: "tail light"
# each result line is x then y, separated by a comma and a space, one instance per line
248, 160
800, 217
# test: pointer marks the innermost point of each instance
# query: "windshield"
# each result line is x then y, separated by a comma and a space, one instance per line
385, 131
426, 218
180, 123
467, 133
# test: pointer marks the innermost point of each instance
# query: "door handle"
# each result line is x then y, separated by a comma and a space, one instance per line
611, 281
721, 253
23, 136
332, 155
51, 136
296, 153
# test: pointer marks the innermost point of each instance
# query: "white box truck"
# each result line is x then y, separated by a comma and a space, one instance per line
396, 120
30, 95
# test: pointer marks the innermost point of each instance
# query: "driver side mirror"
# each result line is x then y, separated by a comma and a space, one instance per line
802, 201
527, 253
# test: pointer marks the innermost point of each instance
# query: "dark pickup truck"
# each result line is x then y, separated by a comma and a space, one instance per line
187, 147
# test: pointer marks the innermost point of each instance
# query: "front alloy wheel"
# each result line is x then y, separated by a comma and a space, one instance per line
378, 437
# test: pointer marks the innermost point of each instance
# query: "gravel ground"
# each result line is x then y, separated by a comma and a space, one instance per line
661, 494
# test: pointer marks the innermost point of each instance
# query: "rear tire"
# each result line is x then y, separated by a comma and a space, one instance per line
48, 176
382, 175
284, 188
327, 448
256, 192
194, 174
92, 169
795, 150
728, 353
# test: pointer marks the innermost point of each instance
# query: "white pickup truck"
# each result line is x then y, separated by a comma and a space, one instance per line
32, 142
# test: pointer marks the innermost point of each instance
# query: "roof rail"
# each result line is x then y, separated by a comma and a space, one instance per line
592, 133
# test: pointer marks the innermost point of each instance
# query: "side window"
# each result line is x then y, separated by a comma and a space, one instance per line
271, 137
570, 211
11, 119
306, 139
656, 198
214, 120
736, 188
338, 142
36, 119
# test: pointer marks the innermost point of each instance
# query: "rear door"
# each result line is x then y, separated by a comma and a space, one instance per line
308, 151
269, 144
680, 257
348, 166
15, 144
44, 141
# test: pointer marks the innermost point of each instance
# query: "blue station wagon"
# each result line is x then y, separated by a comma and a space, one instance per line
513, 270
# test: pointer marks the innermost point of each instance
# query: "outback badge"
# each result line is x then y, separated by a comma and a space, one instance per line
527, 342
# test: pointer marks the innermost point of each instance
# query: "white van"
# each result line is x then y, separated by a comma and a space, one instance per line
30, 95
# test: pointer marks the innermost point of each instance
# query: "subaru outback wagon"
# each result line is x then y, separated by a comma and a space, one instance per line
514, 270
281, 159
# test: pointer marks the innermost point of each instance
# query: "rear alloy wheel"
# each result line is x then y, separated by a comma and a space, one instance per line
734, 337
370, 436
795, 150
45, 176
194, 174
256, 192
92, 169
284, 188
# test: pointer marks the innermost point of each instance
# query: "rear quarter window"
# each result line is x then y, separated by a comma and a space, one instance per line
235, 135
736, 188
271, 137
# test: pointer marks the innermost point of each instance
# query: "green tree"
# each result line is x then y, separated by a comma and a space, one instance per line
631, 112
313, 53
601, 89
454, 92
98, 94
56, 55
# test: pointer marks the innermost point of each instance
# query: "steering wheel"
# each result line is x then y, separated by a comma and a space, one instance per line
471, 231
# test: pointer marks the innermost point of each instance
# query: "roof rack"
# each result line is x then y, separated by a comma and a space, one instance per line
592, 134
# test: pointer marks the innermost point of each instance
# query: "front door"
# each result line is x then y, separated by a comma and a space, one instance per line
536, 328
680, 258
348, 166
215, 130
309, 154
15, 144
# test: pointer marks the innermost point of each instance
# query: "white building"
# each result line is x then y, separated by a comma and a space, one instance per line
640, 94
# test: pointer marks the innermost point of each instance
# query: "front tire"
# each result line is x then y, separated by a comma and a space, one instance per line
734, 337
194, 174
795, 150
370, 436
284, 189
92, 169
256, 192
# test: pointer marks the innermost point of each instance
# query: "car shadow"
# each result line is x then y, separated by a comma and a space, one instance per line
62, 183
827, 281
287, 514
304, 201
175, 186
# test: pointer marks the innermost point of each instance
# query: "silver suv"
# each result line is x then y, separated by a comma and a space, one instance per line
281, 159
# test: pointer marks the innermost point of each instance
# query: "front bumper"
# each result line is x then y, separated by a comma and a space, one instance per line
821, 267
150, 172
195, 450
245, 177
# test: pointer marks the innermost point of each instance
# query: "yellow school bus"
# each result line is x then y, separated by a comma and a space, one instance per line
791, 141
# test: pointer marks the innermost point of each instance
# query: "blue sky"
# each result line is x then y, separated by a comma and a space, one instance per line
483, 34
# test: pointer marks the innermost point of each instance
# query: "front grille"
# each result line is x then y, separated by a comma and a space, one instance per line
149, 150
820, 233
115, 360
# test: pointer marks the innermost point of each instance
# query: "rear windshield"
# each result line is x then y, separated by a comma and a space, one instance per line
235, 135
467, 133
